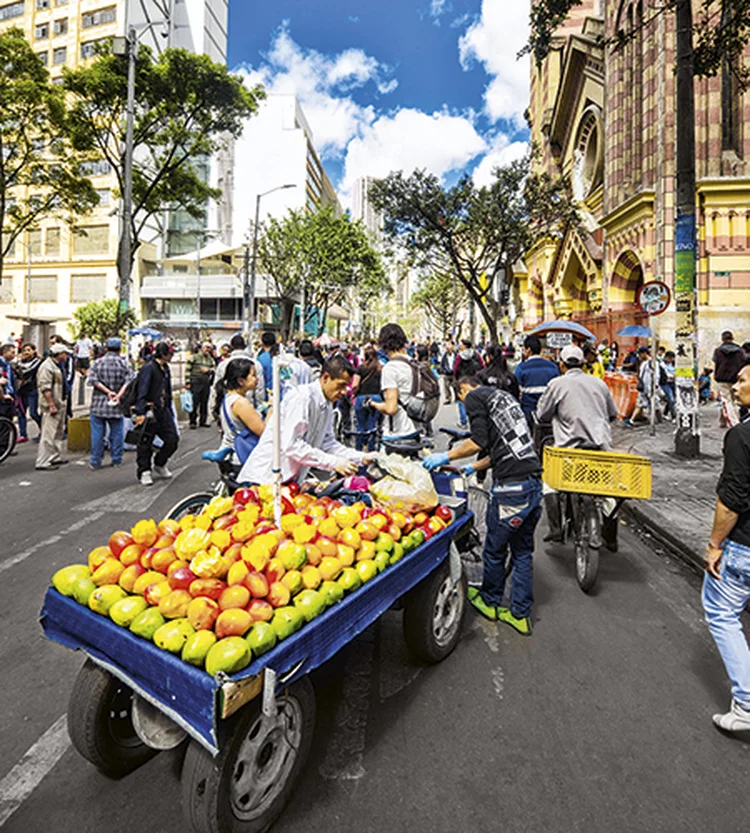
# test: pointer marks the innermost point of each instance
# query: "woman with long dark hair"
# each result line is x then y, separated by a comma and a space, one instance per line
497, 374
366, 385
241, 424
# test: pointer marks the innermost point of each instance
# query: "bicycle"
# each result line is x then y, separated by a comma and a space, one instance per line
8, 437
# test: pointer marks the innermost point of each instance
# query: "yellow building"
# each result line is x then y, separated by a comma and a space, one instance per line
605, 118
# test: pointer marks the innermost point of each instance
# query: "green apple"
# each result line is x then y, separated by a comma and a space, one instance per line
332, 591
286, 621
172, 636
367, 570
383, 559
123, 613
147, 623
384, 542
82, 589
197, 646
417, 538
349, 579
64, 579
261, 638
399, 551
311, 603
229, 655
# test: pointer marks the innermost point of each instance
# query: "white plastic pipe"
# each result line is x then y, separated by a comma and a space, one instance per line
276, 417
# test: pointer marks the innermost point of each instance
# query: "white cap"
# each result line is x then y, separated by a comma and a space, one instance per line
571, 355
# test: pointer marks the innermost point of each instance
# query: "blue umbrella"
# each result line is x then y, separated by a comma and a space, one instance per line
571, 327
144, 331
635, 331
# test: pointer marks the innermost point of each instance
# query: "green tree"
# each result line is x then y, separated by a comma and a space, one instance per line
186, 106
328, 254
100, 320
439, 297
39, 175
475, 235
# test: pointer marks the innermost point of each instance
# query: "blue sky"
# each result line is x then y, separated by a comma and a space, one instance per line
394, 83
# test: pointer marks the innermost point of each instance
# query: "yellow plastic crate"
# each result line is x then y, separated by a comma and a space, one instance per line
597, 472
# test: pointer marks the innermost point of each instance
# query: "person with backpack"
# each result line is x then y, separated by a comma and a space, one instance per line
109, 377
241, 425
467, 364
497, 374
307, 355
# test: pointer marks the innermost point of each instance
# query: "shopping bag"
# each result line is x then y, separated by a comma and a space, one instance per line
408, 485
186, 402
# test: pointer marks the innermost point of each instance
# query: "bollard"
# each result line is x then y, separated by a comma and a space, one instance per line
79, 434
82, 390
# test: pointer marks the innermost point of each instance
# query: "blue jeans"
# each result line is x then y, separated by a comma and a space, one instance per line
513, 512
462, 418
669, 393
367, 420
30, 402
723, 602
98, 430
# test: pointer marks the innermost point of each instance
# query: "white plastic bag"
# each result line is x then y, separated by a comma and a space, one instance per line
409, 485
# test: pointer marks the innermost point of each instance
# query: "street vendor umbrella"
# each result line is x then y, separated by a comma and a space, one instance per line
144, 331
325, 341
635, 331
572, 327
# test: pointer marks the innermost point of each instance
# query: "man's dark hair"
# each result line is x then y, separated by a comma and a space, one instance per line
466, 342
392, 338
162, 349
306, 348
268, 339
237, 342
9, 345
746, 346
532, 343
727, 335
471, 381
422, 353
589, 350
669, 354
29, 344
337, 367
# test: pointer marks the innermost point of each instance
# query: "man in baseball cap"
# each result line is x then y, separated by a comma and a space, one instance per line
52, 408
580, 408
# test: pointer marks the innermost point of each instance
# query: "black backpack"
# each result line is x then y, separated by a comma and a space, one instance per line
423, 402
129, 395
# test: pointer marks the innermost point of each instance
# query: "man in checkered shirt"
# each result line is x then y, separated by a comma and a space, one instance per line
109, 377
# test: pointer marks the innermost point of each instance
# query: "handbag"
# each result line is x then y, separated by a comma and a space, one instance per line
244, 441
186, 401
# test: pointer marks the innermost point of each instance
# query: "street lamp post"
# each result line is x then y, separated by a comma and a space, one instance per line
126, 241
250, 305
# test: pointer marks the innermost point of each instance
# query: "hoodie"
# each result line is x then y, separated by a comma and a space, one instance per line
729, 359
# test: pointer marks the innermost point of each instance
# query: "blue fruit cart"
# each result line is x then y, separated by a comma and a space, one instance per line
248, 734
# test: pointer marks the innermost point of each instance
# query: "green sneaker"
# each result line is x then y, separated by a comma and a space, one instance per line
523, 626
478, 603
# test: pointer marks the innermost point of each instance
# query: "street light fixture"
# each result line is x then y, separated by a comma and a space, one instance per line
250, 291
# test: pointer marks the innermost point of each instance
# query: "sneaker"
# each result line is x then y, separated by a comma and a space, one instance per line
116, 465
146, 479
737, 719
48, 467
93, 467
22, 440
60, 461
523, 626
479, 604
162, 472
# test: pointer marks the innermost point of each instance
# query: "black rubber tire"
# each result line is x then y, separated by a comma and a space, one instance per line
8, 437
587, 557
99, 723
189, 505
207, 782
421, 611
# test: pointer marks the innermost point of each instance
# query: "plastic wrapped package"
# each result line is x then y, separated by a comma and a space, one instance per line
408, 484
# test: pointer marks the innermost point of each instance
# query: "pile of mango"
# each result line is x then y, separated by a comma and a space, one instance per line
226, 585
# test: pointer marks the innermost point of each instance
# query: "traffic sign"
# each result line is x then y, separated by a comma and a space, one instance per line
654, 297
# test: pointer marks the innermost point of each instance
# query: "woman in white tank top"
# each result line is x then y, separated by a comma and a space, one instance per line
236, 412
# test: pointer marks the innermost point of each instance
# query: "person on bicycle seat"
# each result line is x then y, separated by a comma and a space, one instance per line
307, 438
580, 408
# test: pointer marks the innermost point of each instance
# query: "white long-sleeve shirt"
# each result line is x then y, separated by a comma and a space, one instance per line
307, 439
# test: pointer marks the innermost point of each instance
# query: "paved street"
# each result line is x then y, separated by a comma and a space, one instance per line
599, 722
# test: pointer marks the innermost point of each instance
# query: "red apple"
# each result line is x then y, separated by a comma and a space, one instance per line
202, 613
212, 588
118, 541
244, 496
257, 584
181, 579
445, 513
260, 610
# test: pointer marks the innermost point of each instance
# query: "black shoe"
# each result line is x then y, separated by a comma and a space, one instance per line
204, 425
60, 462
193, 427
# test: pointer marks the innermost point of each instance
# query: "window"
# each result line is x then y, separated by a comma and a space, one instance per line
12, 10
60, 27
41, 32
35, 242
95, 167
56, 82
43, 57
91, 240
105, 197
60, 55
43, 289
61, 2
88, 49
99, 17
85, 288
42, 4
52, 242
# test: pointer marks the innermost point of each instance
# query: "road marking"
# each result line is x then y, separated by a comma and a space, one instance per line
489, 629
498, 681
29, 772
53, 539
345, 752
25, 483
135, 498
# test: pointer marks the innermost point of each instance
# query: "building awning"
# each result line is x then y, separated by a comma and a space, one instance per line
214, 249
38, 319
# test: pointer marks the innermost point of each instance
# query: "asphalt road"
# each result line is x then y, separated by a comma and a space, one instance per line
598, 722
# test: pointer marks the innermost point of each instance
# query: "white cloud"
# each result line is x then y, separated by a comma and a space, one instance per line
494, 40
410, 139
438, 8
501, 152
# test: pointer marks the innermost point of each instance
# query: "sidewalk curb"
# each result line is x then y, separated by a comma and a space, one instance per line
669, 540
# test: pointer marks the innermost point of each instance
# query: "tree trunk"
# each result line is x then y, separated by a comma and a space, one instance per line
286, 317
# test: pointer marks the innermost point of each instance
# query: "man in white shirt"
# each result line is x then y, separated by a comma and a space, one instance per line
84, 350
397, 378
307, 439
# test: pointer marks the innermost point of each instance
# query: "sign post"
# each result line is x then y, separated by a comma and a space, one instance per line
653, 299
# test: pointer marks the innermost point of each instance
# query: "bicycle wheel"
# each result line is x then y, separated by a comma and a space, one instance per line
191, 505
585, 515
8, 437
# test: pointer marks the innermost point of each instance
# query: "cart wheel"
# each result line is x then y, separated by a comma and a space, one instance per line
434, 615
248, 784
191, 505
100, 724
